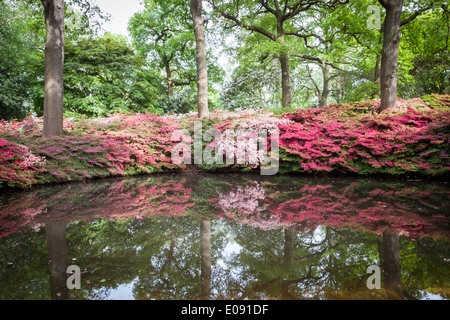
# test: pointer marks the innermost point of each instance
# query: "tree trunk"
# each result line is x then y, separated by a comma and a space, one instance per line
389, 53
170, 82
202, 71
277, 84
285, 81
326, 85
54, 64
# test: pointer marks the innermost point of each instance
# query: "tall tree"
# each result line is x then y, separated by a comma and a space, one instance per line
272, 19
202, 71
54, 65
326, 50
163, 32
54, 61
389, 54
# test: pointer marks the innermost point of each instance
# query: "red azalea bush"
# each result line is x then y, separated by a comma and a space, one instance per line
352, 138
122, 144
18, 165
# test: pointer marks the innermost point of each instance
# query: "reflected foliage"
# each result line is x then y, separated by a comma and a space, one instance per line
268, 238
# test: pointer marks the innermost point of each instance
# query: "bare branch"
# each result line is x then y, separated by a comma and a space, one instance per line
416, 14
305, 36
265, 4
242, 24
318, 60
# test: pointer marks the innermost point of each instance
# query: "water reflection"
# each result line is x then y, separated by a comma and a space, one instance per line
226, 237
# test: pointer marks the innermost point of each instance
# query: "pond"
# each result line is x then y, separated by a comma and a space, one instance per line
217, 236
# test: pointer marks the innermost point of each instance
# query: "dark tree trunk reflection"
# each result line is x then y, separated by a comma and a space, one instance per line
390, 257
205, 253
57, 255
289, 236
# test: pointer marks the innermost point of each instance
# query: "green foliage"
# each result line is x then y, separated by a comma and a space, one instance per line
436, 101
14, 59
103, 75
163, 34
22, 38
182, 101
252, 85
13, 94
426, 38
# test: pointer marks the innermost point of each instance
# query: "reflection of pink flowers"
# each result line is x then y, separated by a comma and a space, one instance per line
119, 200
243, 200
246, 205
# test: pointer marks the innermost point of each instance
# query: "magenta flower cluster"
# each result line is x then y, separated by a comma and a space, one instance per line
352, 138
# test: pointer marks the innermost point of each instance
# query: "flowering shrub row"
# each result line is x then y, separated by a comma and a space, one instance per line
352, 137
119, 145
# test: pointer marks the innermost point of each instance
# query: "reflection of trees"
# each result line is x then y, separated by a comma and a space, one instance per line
57, 255
169, 267
164, 256
281, 239
390, 260
298, 265
205, 256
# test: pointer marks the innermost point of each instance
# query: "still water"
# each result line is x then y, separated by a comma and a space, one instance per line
226, 237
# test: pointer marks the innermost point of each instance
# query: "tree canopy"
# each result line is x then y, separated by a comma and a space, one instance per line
260, 54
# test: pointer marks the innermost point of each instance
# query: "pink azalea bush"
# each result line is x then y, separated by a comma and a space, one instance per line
242, 140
